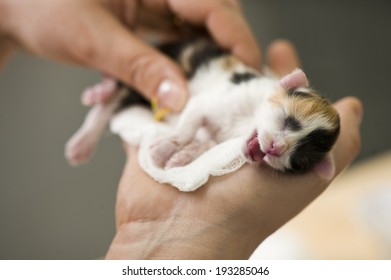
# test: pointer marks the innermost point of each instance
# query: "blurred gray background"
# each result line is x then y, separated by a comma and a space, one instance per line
49, 210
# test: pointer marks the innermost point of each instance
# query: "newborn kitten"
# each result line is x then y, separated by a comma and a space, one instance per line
286, 123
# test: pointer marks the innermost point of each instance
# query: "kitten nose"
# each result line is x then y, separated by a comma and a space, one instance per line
276, 149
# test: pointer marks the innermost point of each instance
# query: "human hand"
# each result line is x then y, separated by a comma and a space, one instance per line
231, 215
103, 34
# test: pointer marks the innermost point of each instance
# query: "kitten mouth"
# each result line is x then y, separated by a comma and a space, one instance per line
252, 150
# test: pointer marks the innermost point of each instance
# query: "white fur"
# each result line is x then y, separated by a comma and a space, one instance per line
209, 136
218, 110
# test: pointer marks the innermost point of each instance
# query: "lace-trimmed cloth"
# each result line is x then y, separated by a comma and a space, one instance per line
137, 127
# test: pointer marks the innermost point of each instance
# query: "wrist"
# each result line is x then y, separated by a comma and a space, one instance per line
161, 239
168, 239
185, 238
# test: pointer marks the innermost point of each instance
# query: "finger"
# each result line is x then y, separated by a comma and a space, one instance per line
111, 48
161, 28
160, 7
348, 143
153, 21
282, 57
124, 10
350, 110
226, 24
6, 51
152, 17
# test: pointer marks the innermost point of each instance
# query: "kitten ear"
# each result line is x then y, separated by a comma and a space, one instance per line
295, 79
326, 168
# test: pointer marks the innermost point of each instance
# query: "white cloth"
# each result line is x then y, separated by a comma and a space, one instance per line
136, 126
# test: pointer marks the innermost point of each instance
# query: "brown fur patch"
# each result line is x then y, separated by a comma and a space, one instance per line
277, 98
313, 106
184, 59
229, 62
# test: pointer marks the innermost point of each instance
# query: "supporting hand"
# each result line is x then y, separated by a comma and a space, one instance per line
229, 216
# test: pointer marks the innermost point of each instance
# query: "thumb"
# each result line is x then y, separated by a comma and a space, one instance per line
123, 55
150, 72
6, 50
348, 144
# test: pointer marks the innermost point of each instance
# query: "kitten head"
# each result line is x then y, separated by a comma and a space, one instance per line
296, 127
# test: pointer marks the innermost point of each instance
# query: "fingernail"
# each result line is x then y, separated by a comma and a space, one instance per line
171, 95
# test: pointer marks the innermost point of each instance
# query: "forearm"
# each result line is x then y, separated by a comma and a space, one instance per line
3, 12
6, 14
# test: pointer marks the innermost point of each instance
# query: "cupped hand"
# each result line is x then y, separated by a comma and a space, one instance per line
104, 34
229, 216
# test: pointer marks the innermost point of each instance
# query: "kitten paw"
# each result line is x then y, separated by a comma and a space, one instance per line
99, 93
181, 158
163, 149
189, 153
79, 149
170, 152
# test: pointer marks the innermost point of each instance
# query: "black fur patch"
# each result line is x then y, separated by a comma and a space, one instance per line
133, 97
204, 52
312, 149
238, 78
175, 49
292, 123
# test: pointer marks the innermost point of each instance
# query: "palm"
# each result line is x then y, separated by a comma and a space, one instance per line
254, 200
141, 198
247, 192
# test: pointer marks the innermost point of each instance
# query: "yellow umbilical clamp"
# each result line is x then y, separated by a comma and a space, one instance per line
158, 113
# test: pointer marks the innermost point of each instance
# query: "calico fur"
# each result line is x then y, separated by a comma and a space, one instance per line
286, 124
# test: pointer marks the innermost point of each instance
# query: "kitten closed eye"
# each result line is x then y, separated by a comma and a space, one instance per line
291, 123
282, 123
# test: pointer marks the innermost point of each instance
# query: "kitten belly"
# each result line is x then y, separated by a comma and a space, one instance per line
252, 149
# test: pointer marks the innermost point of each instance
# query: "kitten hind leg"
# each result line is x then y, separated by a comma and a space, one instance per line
82, 144
163, 149
189, 153
100, 93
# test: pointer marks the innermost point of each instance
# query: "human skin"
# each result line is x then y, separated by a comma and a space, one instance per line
104, 34
231, 215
